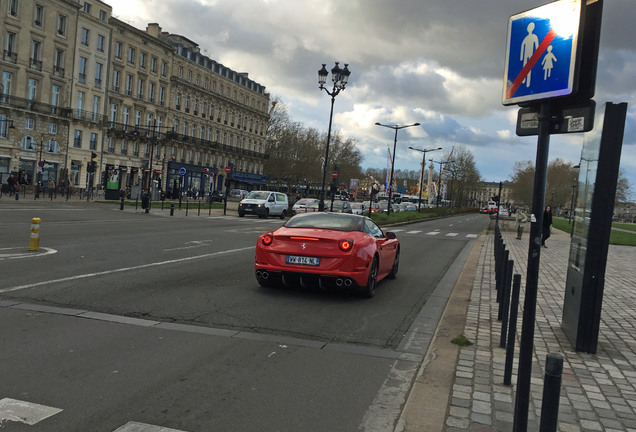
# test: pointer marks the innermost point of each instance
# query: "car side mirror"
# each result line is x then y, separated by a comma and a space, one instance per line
390, 235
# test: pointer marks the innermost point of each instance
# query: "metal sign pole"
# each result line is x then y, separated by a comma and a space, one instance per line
522, 400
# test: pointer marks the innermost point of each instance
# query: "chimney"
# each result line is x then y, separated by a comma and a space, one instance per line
153, 30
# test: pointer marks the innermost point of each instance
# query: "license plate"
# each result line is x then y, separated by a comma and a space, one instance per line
303, 260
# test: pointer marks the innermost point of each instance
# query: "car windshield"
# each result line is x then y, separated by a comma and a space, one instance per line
333, 221
259, 195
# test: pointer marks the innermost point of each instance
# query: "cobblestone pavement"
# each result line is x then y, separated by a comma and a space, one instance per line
598, 391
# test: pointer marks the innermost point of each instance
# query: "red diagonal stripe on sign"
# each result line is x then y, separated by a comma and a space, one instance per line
545, 43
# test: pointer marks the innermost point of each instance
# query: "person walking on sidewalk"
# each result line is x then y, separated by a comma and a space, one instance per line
547, 224
520, 223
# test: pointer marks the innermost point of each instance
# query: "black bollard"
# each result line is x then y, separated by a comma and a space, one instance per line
199, 212
172, 209
551, 393
121, 204
512, 329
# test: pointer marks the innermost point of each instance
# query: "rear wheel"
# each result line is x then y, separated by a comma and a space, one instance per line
283, 214
396, 265
266, 213
369, 290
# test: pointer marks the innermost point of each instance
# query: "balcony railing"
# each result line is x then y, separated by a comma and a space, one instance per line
10, 56
35, 64
58, 71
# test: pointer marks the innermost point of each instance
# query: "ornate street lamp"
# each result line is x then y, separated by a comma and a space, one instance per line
419, 201
396, 128
339, 78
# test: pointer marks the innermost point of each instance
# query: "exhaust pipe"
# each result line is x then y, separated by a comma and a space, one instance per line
339, 282
258, 274
264, 274
347, 282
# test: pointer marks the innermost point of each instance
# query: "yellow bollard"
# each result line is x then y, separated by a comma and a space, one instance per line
34, 241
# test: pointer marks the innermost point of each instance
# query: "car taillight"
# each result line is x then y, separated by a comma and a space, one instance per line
345, 245
268, 239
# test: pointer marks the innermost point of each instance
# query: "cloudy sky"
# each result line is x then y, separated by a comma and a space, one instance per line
436, 62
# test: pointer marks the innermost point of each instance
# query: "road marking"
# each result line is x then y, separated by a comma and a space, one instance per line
24, 412
397, 229
23, 253
142, 427
124, 269
432, 233
451, 234
413, 232
471, 235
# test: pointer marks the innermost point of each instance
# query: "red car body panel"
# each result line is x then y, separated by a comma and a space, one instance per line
324, 244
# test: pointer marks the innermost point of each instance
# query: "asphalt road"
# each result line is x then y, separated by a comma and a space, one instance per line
127, 317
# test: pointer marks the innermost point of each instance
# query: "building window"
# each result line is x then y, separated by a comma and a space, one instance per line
111, 145
98, 74
84, 37
164, 68
13, 8
61, 25
131, 55
153, 64
129, 80
58, 65
82, 69
118, 50
102, 15
32, 90
87, 7
140, 88
38, 15
100, 43
116, 79
124, 147
77, 139
142, 60
93, 143
162, 94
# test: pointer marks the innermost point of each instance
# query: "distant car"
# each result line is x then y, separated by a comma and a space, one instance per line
503, 211
344, 196
327, 250
215, 196
302, 203
358, 208
484, 210
338, 207
264, 204
237, 194
309, 208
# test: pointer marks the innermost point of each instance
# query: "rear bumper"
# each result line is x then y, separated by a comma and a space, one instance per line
310, 279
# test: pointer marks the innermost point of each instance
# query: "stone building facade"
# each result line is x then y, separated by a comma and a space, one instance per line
80, 89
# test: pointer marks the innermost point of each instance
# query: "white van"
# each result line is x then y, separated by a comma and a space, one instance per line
492, 207
264, 204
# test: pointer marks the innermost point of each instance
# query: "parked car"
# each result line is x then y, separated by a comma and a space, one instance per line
327, 250
358, 208
309, 208
338, 207
302, 203
237, 194
503, 211
264, 204
216, 196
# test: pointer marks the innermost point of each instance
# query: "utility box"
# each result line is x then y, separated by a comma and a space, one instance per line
596, 191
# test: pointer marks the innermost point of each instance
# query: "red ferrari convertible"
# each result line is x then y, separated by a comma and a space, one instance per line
327, 250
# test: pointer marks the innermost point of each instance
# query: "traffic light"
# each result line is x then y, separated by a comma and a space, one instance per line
206, 173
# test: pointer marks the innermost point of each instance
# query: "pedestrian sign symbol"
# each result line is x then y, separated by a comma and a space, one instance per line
541, 54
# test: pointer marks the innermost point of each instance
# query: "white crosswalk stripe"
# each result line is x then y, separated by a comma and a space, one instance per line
24, 412
471, 235
452, 234
142, 427
432, 233
413, 232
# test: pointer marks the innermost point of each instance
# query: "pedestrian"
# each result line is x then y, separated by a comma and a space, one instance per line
520, 223
547, 224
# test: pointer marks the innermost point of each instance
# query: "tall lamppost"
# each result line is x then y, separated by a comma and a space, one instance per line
396, 128
419, 201
339, 78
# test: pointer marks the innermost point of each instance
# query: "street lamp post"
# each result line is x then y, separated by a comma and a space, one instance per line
419, 201
339, 77
396, 128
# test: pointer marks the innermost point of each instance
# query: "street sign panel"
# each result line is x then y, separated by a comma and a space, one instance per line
541, 53
182, 171
571, 118
228, 169
334, 174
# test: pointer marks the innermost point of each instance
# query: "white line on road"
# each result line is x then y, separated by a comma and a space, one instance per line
24, 412
24, 254
451, 234
433, 233
142, 427
124, 269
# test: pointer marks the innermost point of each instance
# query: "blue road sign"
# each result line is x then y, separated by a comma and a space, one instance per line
541, 54
182, 171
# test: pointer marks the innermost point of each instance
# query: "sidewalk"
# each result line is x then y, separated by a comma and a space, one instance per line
598, 391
